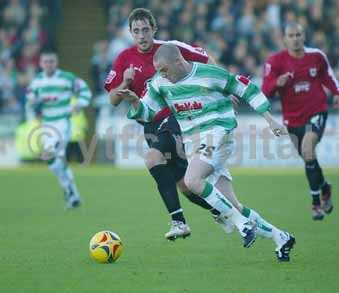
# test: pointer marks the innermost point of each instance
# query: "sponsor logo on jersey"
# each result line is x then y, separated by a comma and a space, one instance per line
138, 68
111, 75
313, 71
188, 106
303, 86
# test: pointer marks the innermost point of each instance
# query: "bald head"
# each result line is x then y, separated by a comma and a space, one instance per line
170, 64
168, 53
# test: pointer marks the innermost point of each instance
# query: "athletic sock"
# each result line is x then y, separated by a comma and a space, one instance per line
168, 190
64, 175
264, 228
215, 198
315, 179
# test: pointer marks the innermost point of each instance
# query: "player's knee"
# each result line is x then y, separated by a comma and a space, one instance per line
307, 153
193, 183
153, 158
56, 165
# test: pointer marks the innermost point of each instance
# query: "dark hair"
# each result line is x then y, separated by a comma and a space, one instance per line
142, 14
48, 52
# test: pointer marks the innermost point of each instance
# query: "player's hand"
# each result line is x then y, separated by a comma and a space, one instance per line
129, 74
282, 79
128, 95
277, 128
336, 101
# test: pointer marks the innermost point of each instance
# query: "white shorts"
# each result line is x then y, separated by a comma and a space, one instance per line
55, 137
215, 146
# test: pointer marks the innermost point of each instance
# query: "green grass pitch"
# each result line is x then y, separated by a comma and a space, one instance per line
44, 248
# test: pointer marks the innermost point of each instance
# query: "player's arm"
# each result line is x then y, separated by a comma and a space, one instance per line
243, 88
119, 78
143, 109
83, 93
33, 101
272, 80
329, 80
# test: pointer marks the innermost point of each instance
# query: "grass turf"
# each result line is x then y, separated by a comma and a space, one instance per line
44, 248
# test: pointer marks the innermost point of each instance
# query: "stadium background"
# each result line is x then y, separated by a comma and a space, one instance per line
88, 35
44, 248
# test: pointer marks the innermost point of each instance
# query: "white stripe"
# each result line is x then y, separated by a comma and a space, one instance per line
56, 111
329, 68
177, 211
188, 124
314, 192
258, 100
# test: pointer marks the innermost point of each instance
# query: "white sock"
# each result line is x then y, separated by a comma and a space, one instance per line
265, 229
64, 175
215, 198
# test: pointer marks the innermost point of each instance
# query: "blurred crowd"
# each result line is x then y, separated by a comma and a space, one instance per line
239, 34
26, 27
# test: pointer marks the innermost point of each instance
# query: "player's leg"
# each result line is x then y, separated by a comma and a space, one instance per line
156, 160
284, 241
305, 139
54, 147
313, 135
195, 179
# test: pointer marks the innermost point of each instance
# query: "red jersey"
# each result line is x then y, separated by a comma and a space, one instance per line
303, 95
144, 69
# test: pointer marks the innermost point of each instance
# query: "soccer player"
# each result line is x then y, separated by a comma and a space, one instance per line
299, 74
51, 91
132, 69
199, 96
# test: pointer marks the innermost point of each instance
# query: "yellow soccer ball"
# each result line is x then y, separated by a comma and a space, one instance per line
105, 247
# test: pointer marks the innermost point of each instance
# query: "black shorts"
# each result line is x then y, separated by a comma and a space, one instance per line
316, 123
161, 136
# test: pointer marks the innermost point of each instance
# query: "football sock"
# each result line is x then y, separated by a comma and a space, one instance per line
315, 179
64, 175
264, 228
168, 190
215, 198
196, 199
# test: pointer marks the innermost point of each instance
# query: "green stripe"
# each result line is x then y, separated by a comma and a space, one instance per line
219, 106
154, 95
227, 123
183, 92
207, 190
57, 104
246, 212
251, 91
56, 89
54, 118
263, 107
67, 75
212, 71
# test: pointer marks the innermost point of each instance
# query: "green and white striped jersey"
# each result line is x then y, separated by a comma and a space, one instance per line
54, 94
201, 100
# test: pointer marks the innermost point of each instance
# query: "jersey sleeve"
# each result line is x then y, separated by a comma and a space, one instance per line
151, 103
270, 73
82, 91
243, 88
190, 53
115, 76
33, 100
328, 78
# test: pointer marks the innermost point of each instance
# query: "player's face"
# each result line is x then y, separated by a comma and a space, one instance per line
294, 39
143, 34
49, 63
166, 70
